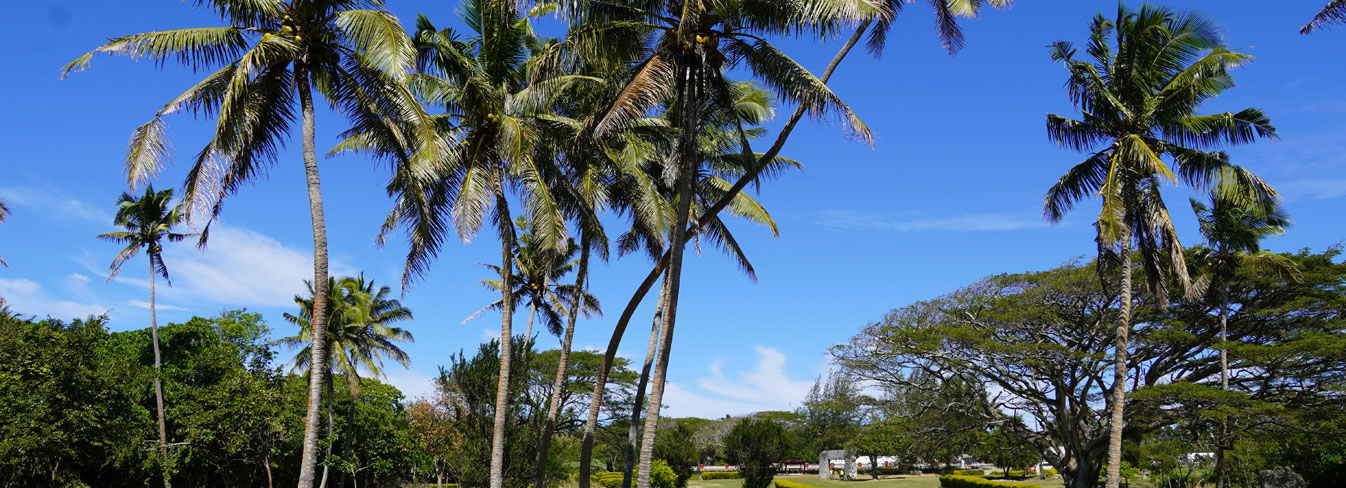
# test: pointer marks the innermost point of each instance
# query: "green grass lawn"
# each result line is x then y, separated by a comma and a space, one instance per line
923, 481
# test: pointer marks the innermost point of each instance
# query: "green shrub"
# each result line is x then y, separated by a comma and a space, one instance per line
753, 444
790, 484
661, 476
1049, 472
955, 481
969, 472
721, 475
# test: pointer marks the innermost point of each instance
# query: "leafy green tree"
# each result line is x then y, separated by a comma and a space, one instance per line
884, 438
754, 444
268, 57
675, 447
148, 220
1332, 13
538, 265
1006, 449
359, 335
831, 413
1233, 235
1042, 341
1134, 115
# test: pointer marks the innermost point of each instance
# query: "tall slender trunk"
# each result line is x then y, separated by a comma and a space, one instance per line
309, 457
689, 159
554, 408
1221, 477
326, 467
267, 463
1119, 356
158, 385
506, 335
633, 430
596, 398
532, 307
347, 439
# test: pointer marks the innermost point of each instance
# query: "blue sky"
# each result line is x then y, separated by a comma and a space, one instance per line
950, 192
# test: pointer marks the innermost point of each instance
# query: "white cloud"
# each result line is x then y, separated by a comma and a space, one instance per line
57, 204
240, 267
765, 387
1313, 189
27, 297
413, 384
158, 306
918, 222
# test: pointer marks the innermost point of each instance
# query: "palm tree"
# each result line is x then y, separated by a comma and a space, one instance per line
1151, 70
1333, 12
270, 56
148, 220
495, 104
4, 212
538, 264
359, 337
1233, 235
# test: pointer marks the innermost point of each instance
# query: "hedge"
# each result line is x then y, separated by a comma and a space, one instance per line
969, 472
1049, 472
791, 484
955, 481
721, 475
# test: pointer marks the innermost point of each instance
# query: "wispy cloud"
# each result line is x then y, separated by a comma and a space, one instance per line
29, 298
54, 203
764, 387
158, 306
1313, 189
921, 222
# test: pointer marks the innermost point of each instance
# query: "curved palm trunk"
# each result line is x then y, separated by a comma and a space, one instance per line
554, 408
347, 441
689, 156
596, 398
158, 386
319, 347
1119, 369
633, 430
506, 336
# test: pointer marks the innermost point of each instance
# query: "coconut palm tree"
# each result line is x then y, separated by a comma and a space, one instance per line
149, 220
1233, 235
4, 212
1333, 12
1150, 71
359, 336
537, 265
265, 62
494, 105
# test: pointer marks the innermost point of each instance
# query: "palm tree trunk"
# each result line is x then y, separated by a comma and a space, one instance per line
1220, 476
633, 430
600, 381
532, 309
689, 156
158, 385
1119, 368
330, 423
319, 348
267, 463
506, 336
554, 408
348, 446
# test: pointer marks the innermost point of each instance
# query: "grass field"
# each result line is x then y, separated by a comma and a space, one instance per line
923, 481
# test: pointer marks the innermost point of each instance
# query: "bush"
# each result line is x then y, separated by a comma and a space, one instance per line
791, 484
955, 481
1049, 472
969, 472
721, 475
661, 476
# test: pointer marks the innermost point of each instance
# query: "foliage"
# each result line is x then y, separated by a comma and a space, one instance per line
830, 415
754, 444
676, 447
956, 481
721, 475
784, 483
969, 472
1041, 339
